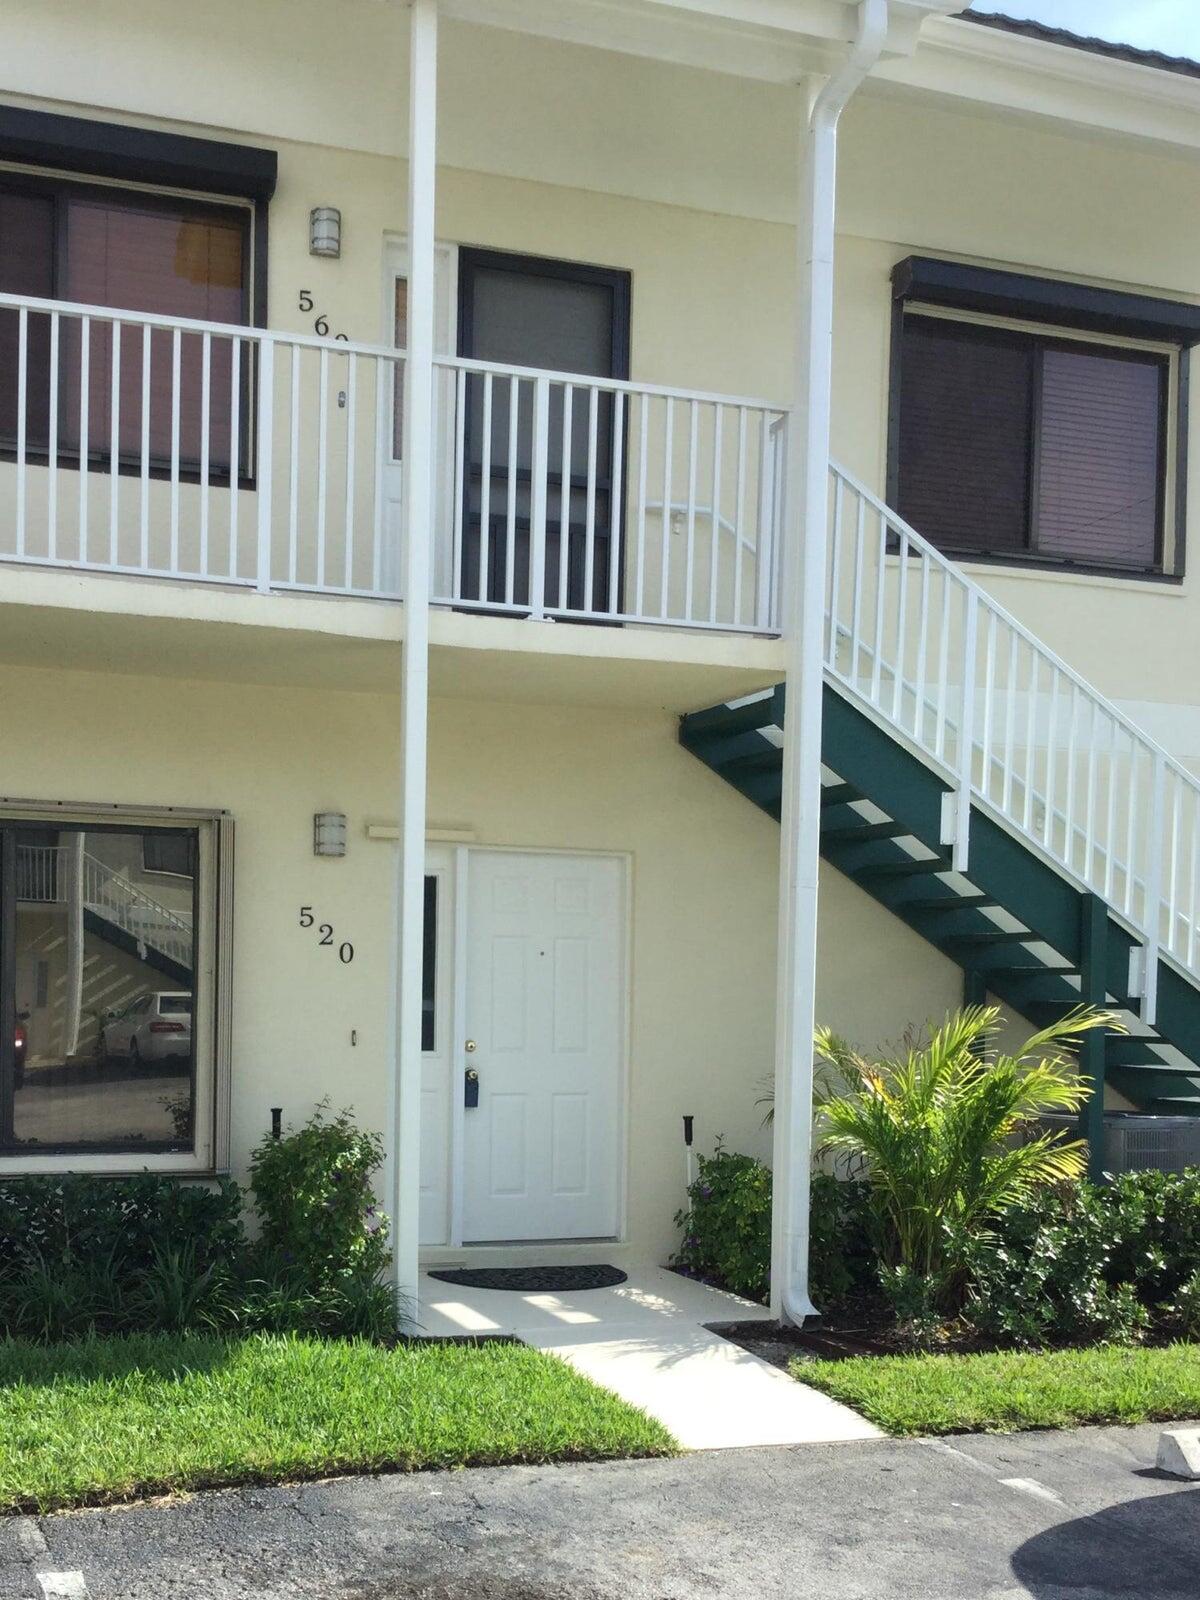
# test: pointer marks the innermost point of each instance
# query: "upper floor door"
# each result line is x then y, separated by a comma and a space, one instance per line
556, 316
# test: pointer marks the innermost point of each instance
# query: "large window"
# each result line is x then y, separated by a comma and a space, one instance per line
108, 1039
1014, 443
140, 252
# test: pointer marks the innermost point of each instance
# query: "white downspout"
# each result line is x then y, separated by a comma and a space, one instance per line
806, 537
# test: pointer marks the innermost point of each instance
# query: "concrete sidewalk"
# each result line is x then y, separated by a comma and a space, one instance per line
647, 1340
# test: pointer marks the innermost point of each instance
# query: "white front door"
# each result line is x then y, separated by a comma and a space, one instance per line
544, 1010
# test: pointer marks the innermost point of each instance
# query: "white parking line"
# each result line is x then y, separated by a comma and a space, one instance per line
1033, 1487
63, 1586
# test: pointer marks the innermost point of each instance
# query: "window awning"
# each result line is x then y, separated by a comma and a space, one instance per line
136, 155
956, 284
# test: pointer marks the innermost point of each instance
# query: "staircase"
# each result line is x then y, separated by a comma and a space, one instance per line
987, 795
113, 908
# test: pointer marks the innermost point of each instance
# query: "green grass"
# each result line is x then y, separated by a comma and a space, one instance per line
1009, 1390
113, 1419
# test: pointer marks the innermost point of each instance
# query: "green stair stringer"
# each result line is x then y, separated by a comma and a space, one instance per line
1015, 925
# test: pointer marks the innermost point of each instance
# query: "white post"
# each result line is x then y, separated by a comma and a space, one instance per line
405, 1121
805, 541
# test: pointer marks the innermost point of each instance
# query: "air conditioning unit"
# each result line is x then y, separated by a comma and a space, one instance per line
1134, 1142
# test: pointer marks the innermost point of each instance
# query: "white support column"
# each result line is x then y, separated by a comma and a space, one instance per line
805, 541
404, 1142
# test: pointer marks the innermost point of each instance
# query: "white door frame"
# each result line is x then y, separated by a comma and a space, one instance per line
452, 863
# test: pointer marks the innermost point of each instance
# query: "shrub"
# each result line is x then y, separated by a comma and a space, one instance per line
316, 1209
933, 1131
89, 1254
1085, 1262
727, 1230
727, 1227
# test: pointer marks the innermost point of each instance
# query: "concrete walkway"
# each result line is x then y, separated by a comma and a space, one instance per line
647, 1341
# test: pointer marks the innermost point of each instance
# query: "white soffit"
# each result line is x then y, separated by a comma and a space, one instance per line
778, 41
1009, 72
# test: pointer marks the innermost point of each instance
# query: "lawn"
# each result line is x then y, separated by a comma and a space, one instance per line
113, 1419
1009, 1390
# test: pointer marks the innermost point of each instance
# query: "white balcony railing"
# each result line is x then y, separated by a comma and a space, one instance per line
179, 449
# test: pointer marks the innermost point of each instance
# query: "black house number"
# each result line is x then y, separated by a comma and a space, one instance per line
320, 321
325, 934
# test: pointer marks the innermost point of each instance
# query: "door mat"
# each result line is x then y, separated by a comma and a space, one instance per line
533, 1280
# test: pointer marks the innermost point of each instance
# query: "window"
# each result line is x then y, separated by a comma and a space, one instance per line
109, 1041
1015, 443
142, 252
429, 966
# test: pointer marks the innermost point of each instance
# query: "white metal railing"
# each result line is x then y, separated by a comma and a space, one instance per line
45, 877
174, 448
1012, 726
573, 496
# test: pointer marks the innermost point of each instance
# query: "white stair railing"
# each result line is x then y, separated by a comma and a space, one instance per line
44, 872
1012, 727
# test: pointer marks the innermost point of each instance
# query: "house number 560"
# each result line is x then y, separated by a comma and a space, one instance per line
308, 919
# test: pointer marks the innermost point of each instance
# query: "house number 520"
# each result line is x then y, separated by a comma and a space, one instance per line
308, 919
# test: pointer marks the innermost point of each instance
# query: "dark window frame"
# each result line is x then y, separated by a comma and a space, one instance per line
11, 829
1173, 418
619, 281
59, 188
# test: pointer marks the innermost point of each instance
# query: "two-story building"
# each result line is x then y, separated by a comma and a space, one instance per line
410, 413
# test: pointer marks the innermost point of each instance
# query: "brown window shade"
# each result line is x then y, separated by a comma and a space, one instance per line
26, 267
173, 258
1015, 443
965, 404
1100, 457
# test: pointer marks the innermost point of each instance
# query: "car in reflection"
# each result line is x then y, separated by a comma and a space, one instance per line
20, 1051
154, 1028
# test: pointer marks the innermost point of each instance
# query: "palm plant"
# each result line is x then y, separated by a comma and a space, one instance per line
944, 1131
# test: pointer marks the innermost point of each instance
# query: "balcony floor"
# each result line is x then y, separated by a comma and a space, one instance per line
89, 622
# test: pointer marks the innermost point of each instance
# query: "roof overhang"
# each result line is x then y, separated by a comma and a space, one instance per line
777, 41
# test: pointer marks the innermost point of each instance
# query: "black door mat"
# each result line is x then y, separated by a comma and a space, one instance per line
533, 1280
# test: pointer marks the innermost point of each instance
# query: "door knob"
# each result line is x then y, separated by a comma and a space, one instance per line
470, 1047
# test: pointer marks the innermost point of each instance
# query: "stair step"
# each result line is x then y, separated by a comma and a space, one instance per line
1123, 1051
862, 833
945, 903
902, 869
1000, 936
1155, 1069
838, 794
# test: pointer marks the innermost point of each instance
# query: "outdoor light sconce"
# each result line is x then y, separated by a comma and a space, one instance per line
329, 833
325, 231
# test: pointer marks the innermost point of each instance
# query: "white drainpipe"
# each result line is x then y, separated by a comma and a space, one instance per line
804, 609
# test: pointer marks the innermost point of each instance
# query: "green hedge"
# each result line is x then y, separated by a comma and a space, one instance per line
1082, 1263
93, 1254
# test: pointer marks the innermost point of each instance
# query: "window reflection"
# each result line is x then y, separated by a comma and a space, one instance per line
100, 981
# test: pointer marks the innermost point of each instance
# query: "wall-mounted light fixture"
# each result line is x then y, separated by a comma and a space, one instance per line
325, 231
329, 833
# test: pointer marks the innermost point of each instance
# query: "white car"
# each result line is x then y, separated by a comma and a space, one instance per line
151, 1029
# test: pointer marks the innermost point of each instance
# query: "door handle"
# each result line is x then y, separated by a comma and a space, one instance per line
470, 1088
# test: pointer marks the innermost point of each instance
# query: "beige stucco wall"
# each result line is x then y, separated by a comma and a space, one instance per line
618, 139
703, 875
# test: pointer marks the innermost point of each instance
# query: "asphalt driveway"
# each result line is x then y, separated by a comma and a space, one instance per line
1056, 1516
